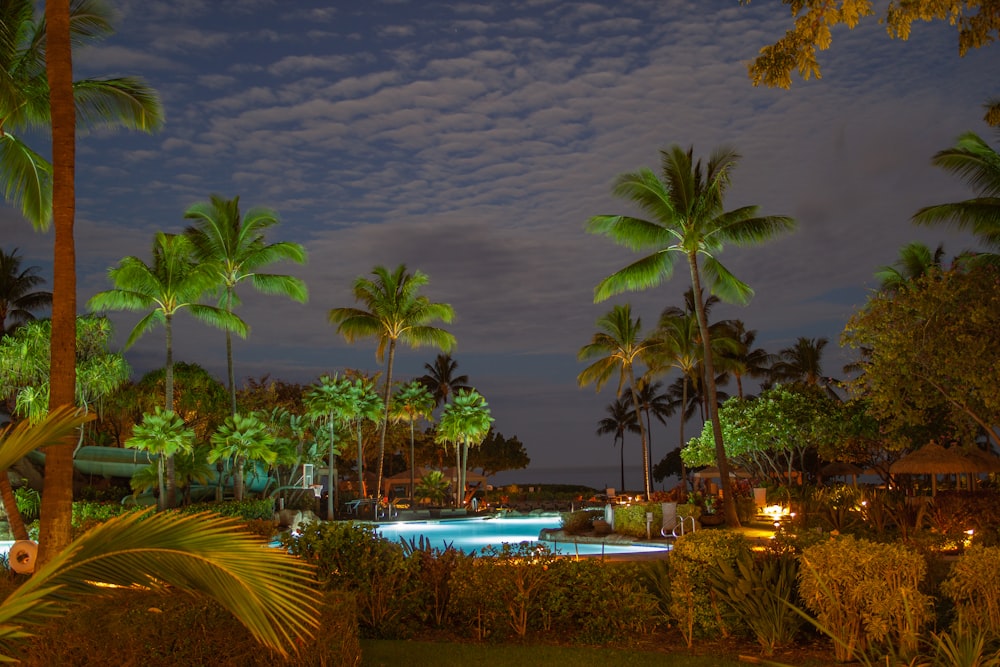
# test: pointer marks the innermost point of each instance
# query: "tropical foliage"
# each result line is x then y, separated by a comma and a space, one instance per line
18, 296
464, 423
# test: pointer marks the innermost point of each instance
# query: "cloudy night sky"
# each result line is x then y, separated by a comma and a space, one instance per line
472, 141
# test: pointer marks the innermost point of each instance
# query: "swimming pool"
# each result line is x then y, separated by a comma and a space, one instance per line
473, 535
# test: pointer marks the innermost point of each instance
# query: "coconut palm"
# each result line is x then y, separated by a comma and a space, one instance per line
801, 362
655, 402
326, 404
411, 402
617, 348
25, 46
235, 247
915, 261
441, 380
242, 439
978, 164
162, 434
464, 422
173, 282
18, 296
363, 405
688, 221
745, 360
621, 418
396, 312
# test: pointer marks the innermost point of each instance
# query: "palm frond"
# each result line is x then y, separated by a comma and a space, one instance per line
124, 102
647, 272
27, 180
282, 285
724, 284
18, 441
220, 319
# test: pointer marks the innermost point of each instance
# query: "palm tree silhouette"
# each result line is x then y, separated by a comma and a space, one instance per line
621, 418
18, 296
441, 380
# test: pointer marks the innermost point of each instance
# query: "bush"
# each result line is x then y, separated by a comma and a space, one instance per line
865, 594
631, 519
162, 630
974, 587
580, 521
352, 557
693, 601
248, 510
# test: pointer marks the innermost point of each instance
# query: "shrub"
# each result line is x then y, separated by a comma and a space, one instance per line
248, 510
476, 587
434, 569
352, 557
631, 519
864, 594
760, 590
974, 587
580, 521
693, 601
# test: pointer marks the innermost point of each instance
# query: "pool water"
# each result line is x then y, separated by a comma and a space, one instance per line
473, 535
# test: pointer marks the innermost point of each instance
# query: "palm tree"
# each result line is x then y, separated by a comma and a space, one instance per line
363, 404
746, 360
978, 164
915, 261
162, 434
617, 348
689, 221
465, 421
801, 362
234, 246
242, 439
326, 402
18, 296
620, 419
655, 402
411, 402
441, 380
172, 283
396, 312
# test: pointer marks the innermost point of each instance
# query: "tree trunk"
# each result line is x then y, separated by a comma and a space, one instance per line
361, 464
684, 400
331, 496
712, 404
385, 417
57, 494
238, 480
642, 432
168, 498
229, 353
14, 519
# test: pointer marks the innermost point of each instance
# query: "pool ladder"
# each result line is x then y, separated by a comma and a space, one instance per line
680, 526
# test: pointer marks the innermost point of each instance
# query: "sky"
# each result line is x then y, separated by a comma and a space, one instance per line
472, 141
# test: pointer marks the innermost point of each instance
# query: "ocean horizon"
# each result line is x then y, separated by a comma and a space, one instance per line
598, 478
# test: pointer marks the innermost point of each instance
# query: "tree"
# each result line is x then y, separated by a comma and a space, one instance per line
801, 362
977, 22
978, 164
441, 380
620, 418
173, 282
915, 260
242, 439
932, 352
464, 422
655, 402
162, 434
497, 453
617, 348
363, 405
396, 312
746, 360
18, 296
411, 402
688, 221
327, 402
235, 247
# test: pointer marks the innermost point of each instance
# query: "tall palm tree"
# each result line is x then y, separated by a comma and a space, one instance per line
47, 94
235, 247
621, 418
655, 402
411, 402
801, 362
915, 261
326, 403
363, 404
18, 296
173, 282
465, 422
618, 347
978, 164
688, 221
441, 380
395, 312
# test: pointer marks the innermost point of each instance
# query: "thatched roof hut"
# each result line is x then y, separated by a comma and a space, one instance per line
933, 459
842, 469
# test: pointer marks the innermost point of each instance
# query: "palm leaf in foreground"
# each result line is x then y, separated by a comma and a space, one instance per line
265, 589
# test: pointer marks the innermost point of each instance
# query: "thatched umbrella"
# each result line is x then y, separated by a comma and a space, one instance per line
933, 459
712, 472
842, 469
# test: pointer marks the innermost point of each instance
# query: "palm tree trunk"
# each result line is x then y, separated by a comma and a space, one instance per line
622, 454
331, 496
642, 432
229, 354
238, 482
684, 400
361, 464
413, 467
14, 519
57, 494
168, 495
385, 418
458, 464
728, 502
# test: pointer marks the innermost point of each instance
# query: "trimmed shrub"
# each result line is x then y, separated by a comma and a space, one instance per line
580, 521
631, 519
865, 594
155, 629
248, 510
974, 587
694, 603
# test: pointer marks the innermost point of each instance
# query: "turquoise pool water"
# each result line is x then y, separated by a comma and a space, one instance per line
473, 535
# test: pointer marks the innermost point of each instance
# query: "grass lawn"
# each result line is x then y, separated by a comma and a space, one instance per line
377, 653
